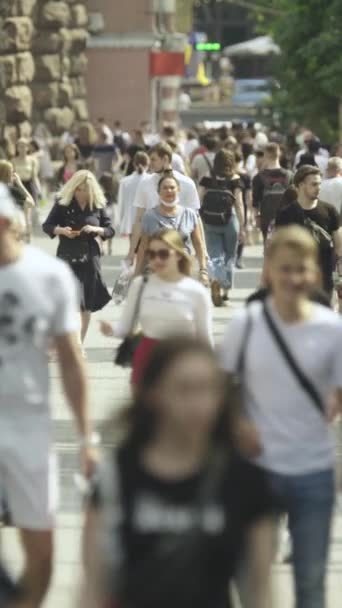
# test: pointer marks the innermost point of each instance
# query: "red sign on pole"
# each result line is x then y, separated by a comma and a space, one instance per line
165, 63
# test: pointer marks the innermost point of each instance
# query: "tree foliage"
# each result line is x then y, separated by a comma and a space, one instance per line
309, 69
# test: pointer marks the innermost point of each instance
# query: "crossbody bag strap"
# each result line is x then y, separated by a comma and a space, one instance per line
208, 163
241, 360
211, 169
302, 379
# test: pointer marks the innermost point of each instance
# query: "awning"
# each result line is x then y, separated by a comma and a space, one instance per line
259, 47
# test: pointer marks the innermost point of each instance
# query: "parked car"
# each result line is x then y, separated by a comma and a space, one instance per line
252, 92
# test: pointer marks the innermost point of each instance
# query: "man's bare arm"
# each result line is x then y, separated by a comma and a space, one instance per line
76, 389
74, 379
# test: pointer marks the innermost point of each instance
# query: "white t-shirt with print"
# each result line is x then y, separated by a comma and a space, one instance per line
147, 196
295, 436
38, 300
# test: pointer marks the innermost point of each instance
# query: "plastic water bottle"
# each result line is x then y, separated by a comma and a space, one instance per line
122, 283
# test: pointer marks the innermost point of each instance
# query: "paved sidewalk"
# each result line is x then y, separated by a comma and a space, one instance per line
109, 390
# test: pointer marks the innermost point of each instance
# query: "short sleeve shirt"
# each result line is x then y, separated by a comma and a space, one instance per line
147, 196
258, 185
295, 436
229, 184
154, 507
185, 222
38, 300
327, 217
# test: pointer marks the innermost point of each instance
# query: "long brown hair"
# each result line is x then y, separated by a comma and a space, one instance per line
174, 241
74, 148
224, 163
137, 424
141, 162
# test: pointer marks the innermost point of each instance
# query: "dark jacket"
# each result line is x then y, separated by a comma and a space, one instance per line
77, 218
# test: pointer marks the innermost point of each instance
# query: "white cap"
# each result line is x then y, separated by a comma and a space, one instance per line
8, 209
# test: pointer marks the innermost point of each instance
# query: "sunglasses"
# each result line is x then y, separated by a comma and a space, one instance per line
163, 254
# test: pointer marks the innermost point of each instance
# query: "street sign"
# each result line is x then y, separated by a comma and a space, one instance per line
208, 46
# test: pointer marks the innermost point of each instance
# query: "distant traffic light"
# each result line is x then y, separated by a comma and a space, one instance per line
208, 46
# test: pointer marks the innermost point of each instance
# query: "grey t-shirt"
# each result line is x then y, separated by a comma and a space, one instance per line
185, 221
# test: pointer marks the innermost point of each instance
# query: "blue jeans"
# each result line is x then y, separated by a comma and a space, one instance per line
222, 243
309, 501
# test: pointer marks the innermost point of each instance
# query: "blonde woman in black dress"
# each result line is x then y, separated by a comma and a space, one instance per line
80, 221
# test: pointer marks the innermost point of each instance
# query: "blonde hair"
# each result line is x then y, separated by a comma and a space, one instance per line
97, 198
295, 238
6, 170
174, 241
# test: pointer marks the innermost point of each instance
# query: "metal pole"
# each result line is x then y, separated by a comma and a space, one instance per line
154, 104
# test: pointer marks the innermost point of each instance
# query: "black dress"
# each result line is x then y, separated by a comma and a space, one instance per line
18, 195
83, 252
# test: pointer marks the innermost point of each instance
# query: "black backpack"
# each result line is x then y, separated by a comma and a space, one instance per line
274, 188
218, 203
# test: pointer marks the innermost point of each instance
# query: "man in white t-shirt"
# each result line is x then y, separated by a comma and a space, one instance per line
147, 196
178, 163
287, 351
202, 164
38, 303
331, 188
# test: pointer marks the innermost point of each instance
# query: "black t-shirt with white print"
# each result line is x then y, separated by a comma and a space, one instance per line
154, 508
280, 175
326, 216
222, 182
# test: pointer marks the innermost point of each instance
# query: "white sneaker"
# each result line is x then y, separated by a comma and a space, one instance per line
339, 502
284, 543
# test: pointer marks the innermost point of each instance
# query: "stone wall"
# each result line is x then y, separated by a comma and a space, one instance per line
42, 66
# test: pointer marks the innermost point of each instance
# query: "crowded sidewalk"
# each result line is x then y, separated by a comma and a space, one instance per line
109, 389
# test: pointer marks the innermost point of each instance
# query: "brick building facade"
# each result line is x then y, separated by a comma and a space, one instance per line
123, 34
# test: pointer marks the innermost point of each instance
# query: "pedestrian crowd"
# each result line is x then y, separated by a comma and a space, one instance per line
222, 445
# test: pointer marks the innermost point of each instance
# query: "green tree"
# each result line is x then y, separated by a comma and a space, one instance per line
309, 69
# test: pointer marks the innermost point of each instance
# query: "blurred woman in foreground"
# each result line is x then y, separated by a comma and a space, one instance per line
175, 503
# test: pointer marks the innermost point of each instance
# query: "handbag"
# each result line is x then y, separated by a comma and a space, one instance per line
125, 351
302, 379
100, 245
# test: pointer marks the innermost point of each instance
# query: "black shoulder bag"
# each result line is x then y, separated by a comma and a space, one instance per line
302, 379
125, 352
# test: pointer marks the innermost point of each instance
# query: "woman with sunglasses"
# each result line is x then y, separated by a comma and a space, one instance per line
171, 301
175, 504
